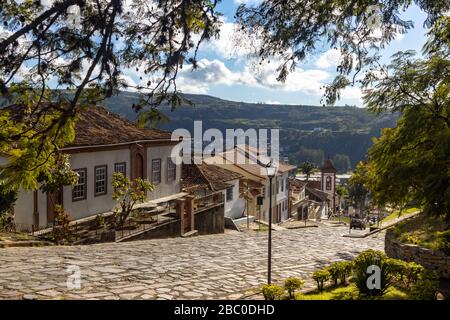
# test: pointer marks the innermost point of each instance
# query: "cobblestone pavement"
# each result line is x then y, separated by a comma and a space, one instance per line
220, 266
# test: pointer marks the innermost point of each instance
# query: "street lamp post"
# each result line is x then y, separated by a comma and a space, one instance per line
270, 173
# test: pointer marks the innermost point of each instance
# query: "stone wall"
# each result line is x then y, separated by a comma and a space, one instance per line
433, 260
210, 221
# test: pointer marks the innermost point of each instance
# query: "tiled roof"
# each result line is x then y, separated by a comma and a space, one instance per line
98, 126
328, 166
319, 194
206, 176
254, 162
297, 183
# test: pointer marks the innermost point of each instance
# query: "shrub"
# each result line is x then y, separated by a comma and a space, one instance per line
99, 221
333, 270
361, 266
61, 229
339, 271
345, 270
426, 286
272, 291
443, 241
7, 200
321, 276
292, 284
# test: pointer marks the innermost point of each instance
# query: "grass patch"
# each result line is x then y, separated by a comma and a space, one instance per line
425, 231
350, 292
398, 214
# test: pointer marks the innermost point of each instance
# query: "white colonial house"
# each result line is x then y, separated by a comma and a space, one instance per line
105, 143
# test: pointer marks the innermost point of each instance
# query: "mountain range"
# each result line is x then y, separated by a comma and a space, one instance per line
307, 133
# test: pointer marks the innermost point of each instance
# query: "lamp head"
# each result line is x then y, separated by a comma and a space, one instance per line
271, 170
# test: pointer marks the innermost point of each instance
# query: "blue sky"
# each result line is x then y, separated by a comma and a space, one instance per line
228, 73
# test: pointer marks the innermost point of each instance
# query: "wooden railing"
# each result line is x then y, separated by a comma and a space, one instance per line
208, 201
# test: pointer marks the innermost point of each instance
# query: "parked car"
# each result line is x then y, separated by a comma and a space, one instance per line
357, 224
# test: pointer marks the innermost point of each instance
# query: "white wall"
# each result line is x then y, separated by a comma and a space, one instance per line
93, 205
165, 188
235, 207
283, 194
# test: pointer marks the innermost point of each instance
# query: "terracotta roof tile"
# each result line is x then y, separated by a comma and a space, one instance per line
206, 176
98, 126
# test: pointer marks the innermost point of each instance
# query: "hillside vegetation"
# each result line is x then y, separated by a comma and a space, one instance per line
307, 133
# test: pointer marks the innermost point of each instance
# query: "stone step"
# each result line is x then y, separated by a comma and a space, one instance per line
190, 234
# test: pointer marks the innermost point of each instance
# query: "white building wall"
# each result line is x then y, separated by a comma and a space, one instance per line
94, 204
283, 194
235, 207
165, 188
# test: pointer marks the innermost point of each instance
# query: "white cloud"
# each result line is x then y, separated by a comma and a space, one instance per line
247, 2
263, 76
328, 59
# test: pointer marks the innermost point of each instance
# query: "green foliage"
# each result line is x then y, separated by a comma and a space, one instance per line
289, 31
33, 155
156, 40
426, 286
357, 191
58, 176
7, 199
127, 193
321, 276
340, 271
307, 168
443, 241
417, 167
292, 284
361, 264
61, 229
425, 231
100, 221
272, 292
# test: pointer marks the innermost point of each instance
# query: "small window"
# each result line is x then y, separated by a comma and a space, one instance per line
79, 190
230, 194
100, 180
156, 170
121, 167
282, 185
171, 170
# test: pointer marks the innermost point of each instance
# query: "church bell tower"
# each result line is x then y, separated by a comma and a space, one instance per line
328, 181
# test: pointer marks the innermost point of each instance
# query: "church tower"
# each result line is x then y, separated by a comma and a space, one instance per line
328, 181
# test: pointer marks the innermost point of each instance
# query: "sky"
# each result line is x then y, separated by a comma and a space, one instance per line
228, 73
226, 70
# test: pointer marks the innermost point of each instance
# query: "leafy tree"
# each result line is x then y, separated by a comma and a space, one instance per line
292, 284
357, 191
307, 168
287, 31
412, 160
59, 57
127, 193
7, 199
342, 193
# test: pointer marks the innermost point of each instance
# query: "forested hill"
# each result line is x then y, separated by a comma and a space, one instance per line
307, 133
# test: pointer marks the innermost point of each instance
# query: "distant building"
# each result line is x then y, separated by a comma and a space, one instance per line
255, 177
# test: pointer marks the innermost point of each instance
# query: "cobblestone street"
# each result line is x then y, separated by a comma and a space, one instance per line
221, 266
